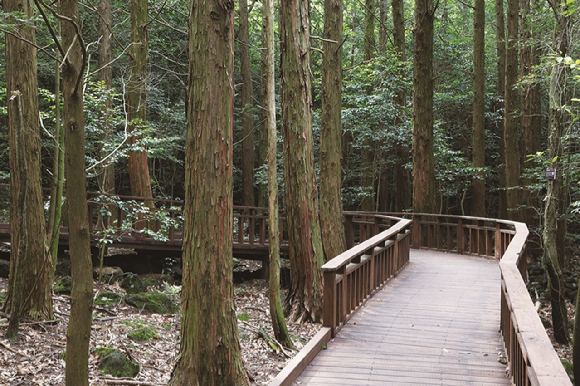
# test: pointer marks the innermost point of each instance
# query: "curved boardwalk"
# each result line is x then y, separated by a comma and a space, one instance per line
437, 323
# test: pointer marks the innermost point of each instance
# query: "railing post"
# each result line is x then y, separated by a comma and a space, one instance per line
416, 233
460, 236
498, 243
329, 296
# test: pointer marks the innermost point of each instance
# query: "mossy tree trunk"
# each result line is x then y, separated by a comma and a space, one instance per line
210, 350
423, 160
276, 310
333, 238
305, 240
555, 215
79, 326
478, 155
29, 288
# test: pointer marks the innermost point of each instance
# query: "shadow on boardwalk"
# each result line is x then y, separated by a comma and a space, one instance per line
437, 323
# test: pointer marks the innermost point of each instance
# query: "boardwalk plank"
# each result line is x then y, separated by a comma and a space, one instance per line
435, 324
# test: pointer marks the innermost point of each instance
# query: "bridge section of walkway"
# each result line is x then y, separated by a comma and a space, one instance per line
436, 323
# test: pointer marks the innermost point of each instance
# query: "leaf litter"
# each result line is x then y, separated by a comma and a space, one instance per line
36, 357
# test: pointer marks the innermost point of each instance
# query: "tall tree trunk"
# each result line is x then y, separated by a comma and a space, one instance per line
276, 310
529, 121
478, 204
368, 172
511, 142
107, 172
403, 179
383, 15
79, 326
210, 350
554, 258
247, 110
137, 100
423, 161
333, 238
500, 105
263, 118
304, 236
29, 289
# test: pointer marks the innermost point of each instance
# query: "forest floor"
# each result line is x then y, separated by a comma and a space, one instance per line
35, 358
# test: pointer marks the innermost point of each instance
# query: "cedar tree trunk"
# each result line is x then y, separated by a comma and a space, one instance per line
478, 204
210, 350
333, 238
423, 161
29, 290
306, 252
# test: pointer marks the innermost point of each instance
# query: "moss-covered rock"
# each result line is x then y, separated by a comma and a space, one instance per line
2, 297
116, 363
158, 281
153, 302
133, 284
108, 299
141, 331
63, 285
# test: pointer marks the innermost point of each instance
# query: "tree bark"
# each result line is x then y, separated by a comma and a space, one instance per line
333, 238
107, 173
555, 224
276, 309
368, 172
403, 179
423, 161
478, 205
210, 351
500, 105
137, 101
305, 240
79, 327
29, 289
511, 142
247, 110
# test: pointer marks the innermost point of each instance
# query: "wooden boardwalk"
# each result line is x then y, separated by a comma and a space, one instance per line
437, 323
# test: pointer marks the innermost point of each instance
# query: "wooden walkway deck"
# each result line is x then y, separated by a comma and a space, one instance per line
437, 323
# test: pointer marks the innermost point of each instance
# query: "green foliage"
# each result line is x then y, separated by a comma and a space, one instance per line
141, 331
244, 317
108, 299
153, 302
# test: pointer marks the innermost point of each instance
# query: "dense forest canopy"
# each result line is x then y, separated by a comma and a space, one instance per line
372, 121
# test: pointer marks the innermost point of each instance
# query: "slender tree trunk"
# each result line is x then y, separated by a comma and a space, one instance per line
247, 112
478, 204
511, 141
276, 310
383, 15
333, 238
500, 105
29, 288
137, 100
79, 327
530, 130
423, 161
403, 179
107, 172
554, 258
210, 350
368, 172
305, 240
57, 188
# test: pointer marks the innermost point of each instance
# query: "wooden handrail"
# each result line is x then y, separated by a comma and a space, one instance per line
351, 278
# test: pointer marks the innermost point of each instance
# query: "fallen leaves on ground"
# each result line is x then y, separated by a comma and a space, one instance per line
36, 357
